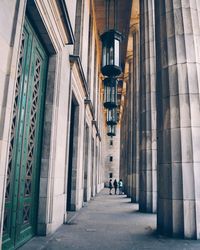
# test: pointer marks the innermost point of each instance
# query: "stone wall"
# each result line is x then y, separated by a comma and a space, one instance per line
67, 77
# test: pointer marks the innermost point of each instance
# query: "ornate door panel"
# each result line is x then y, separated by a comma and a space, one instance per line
21, 197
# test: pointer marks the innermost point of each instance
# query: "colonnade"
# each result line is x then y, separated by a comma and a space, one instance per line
162, 116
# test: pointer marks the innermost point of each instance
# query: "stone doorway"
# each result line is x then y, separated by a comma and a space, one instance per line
73, 152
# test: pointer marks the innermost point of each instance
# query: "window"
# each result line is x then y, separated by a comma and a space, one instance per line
110, 175
111, 158
111, 142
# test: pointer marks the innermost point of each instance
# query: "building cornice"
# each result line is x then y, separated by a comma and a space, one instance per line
66, 21
94, 122
76, 60
89, 103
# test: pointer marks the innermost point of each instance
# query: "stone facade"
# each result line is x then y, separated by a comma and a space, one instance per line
69, 82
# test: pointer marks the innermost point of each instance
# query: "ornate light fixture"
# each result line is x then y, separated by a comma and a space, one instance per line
111, 40
111, 64
111, 116
111, 130
110, 93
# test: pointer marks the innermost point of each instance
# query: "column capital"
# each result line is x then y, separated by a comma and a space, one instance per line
129, 57
134, 27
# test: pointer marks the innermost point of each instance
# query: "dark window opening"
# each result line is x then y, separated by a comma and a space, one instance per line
111, 158
111, 143
110, 175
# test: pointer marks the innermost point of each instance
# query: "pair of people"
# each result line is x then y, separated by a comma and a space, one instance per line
115, 184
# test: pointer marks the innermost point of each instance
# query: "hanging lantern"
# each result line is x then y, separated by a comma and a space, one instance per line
111, 130
111, 116
110, 93
111, 65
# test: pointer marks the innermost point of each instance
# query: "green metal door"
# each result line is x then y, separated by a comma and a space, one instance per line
20, 215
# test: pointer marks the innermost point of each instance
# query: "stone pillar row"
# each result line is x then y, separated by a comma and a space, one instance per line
166, 116
126, 149
147, 91
135, 111
130, 126
123, 149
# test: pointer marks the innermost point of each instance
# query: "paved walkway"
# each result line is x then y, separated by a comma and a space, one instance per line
109, 222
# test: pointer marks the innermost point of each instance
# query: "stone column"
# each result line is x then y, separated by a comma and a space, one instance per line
126, 139
123, 149
129, 125
148, 151
178, 109
135, 126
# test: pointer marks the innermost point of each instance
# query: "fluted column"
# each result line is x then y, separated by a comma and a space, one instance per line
126, 188
129, 131
127, 126
131, 124
123, 147
136, 114
148, 148
178, 109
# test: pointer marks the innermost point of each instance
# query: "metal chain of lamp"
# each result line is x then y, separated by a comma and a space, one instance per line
111, 64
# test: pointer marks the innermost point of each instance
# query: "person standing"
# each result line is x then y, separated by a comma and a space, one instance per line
110, 186
120, 186
115, 185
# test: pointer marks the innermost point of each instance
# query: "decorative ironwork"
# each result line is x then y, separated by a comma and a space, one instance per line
15, 111
27, 189
5, 221
26, 213
32, 129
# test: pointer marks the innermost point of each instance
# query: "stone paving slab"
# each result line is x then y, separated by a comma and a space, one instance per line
109, 222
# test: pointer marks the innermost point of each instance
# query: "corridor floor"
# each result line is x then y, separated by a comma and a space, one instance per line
109, 222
